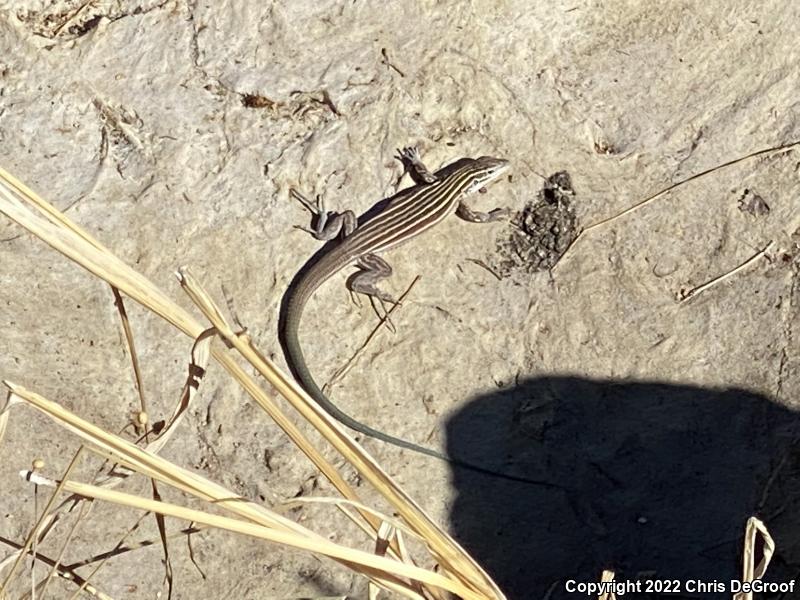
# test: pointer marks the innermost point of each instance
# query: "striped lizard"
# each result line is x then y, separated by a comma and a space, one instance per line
390, 223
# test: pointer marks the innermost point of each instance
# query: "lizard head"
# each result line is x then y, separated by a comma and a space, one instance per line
483, 171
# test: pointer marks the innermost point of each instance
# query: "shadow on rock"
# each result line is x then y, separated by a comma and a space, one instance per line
659, 481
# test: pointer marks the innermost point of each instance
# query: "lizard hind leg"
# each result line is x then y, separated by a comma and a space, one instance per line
372, 269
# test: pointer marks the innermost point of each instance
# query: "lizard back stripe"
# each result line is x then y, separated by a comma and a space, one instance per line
411, 215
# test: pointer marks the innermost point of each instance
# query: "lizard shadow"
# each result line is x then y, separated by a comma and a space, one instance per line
660, 478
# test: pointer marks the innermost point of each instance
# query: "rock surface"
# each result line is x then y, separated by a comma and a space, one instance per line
173, 131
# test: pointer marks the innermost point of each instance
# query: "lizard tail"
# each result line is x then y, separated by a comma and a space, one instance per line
289, 325
291, 312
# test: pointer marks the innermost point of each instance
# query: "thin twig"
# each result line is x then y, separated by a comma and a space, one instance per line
55, 567
120, 304
342, 371
773, 476
63, 571
669, 188
686, 295
35, 531
126, 327
389, 63
119, 550
102, 562
480, 263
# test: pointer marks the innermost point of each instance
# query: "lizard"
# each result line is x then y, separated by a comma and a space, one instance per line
388, 224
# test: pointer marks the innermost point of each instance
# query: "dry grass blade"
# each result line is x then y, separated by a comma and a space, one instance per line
685, 295
54, 569
37, 216
342, 505
750, 570
200, 355
607, 577
343, 370
264, 524
773, 150
152, 465
37, 530
63, 572
387, 568
450, 555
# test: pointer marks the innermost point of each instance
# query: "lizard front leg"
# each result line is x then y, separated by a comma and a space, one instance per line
476, 216
414, 165
327, 225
